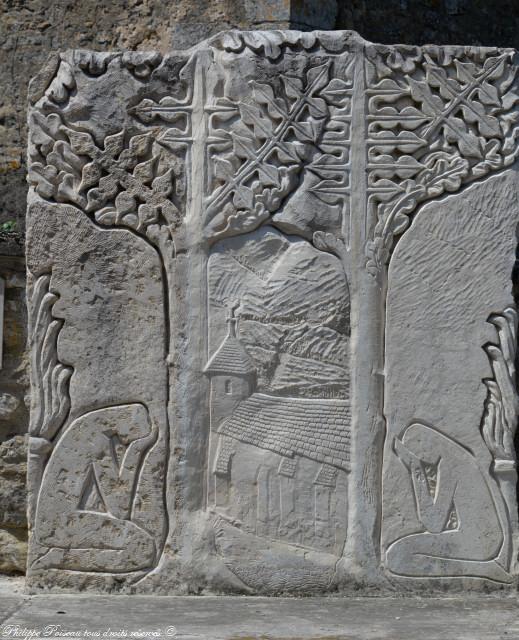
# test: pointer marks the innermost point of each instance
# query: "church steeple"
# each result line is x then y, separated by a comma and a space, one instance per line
232, 320
231, 358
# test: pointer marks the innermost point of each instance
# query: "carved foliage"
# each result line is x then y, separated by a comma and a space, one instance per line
271, 44
260, 145
50, 377
268, 43
126, 182
435, 122
502, 404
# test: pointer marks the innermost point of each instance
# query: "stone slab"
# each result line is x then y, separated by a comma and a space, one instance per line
245, 618
273, 318
9, 606
11, 596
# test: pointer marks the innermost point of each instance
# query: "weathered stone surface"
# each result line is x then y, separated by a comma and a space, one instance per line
230, 618
273, 332
13, 504
14, 550
14, 419
447, 274
33, 29
29, 31
13, 472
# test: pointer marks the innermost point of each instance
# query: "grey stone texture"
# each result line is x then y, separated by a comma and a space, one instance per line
258, 618
30, 30
272, 325
14, 414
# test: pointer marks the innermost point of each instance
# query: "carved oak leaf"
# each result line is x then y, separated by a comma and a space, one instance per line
510, 99
406, 166
403, 60
464, 128
474, 112
386, 62
455, 129
119, 185
223, 167
442, 173
406, 141
326, 241
62, 84
128, 212
336, 91
271, 142
263, 95
252, 206
94, 63
141, 63
252, 116
58, 173
271, 43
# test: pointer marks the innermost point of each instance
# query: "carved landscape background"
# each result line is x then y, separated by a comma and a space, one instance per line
33, 29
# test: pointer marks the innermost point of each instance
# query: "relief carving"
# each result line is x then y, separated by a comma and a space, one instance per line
240, 220
88, 492
279, 451
50, 381
499, 423
51, 377
134, 178
465, 524
436, 121
259, 159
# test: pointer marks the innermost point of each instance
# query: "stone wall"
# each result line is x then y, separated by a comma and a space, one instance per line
14, 382
30, 29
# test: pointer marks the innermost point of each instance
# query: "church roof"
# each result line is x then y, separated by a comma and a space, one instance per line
317, 428
230, 359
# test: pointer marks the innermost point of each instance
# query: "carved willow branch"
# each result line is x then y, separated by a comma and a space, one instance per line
502, 403
50, 377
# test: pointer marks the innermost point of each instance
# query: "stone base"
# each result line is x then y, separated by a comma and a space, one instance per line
227, 618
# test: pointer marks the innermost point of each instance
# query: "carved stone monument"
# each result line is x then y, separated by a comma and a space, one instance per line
273, 326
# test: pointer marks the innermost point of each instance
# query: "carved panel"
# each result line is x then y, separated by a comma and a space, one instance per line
449, 448
272, 328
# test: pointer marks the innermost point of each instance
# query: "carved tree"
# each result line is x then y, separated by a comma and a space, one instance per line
435, 123
129, 181
421, 122
263, 153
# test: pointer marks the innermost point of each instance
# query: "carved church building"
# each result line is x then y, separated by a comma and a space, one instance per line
277, 465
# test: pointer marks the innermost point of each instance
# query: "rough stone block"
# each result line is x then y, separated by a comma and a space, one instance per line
13, 473
273, 326
13, 559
